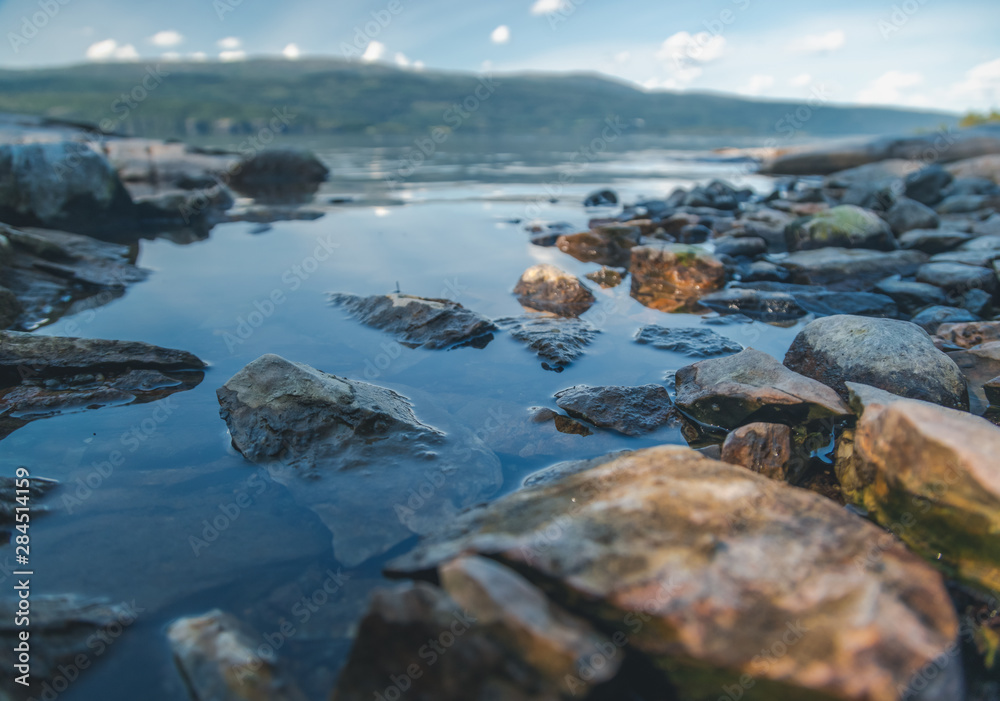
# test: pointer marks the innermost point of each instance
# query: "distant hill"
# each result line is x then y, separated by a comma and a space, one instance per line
333, 96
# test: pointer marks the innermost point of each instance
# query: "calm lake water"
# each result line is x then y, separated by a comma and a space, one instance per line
448, 231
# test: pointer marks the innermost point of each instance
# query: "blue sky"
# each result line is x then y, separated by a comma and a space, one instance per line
922, 53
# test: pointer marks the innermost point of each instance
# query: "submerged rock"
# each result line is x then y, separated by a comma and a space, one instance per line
606, 245
830, 303
697, 343
557, 341
850, 269
846, 226
546, 288
896, 356
760, 305
931, 475
37, 488
752, 387
672, 277
218, 659
605, 277
419, 322
344, 448
632, 411
699, 561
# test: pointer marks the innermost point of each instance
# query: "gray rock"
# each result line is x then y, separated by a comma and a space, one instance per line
746, 246
984, 243
419, 322
932, 241
697, 343
760, 305
546, 288
761, 271
601, 198
925, 185
992, 391
557, 341
847, 269
752, 387
988, 227
63, 185
979, 302
981, 257
632, 411
278, 174
219, 659
930, 318
846, 226
10, 308
980, 364
346, 448
907, 215
957, 278
38, 487
962, 204
909, 296
985, 166
829, 303
896, 356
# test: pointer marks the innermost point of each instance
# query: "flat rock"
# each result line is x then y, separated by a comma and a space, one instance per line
345, 448
546, 288
632, 411
987, 166
909, 296
742, 246
218, 658
906, 215
608, 245
982, 243
715, 561
988, 227
850, 269
692, 342
846, 226
930, 318
752, 387
419, 322
760, 305
932, 241
893, 355
981, 257
558, 342
935, 471
956, 278
829, 303
967, 335
762, 448
672, 277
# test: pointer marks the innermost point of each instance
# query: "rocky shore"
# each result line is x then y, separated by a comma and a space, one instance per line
830, 531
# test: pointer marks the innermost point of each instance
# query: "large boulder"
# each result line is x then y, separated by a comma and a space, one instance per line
63, 185
896, 356
419, 322
752, 387
931, 475
546, 288
632, 411
850, 269
846, 226
672, 277
351, 450
706, 567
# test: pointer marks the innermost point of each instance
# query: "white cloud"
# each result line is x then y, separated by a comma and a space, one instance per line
548, 7
291, 52
888, 89
374, 51
819, 43
800, 81
500, 35
109, 49
623, 57
199, 56
229, 43
418, 65
232, 55
401, 60
757, 85
167, 37
684, 55
981, 87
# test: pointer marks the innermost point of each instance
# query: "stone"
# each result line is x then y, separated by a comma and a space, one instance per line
604, 245
419, 322
760, 305
601, 198
345, 448
37, 488
829, 303
277, 167
632, 411
745, 246
988, 227
984, 243
963, 204
696, 233
762, 270
931, 475
967, 335
762, 448
932, 241
986, 166
606, 277
846, 226
907, 215
547, 233
61, 185
981, 257
851, 270
692, 342
957, 278
10, 308
930, 318
893, 355
546, 288
219, 660
557, 341
698, 562
909, 296
979, 364
979, 302
672, 277
992, 391
925, 185
752, 387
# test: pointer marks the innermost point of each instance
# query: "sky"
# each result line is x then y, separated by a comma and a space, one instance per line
911, 53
